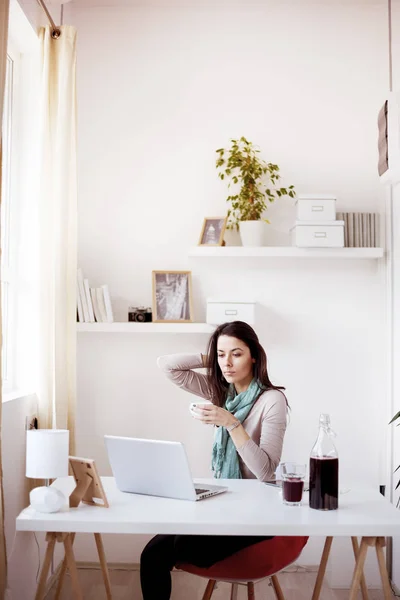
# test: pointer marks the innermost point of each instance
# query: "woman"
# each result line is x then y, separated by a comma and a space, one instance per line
250, 418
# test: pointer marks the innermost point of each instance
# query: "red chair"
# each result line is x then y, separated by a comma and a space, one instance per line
251, 565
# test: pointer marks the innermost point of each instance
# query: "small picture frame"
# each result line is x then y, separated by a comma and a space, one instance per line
89, 488
212, 232
172, 297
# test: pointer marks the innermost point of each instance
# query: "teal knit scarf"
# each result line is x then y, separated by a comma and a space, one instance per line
225, 461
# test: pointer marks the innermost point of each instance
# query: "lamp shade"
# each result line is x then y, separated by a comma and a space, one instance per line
47, 453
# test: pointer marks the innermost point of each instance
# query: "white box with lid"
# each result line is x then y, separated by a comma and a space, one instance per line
224, 311
318, 235
316, 207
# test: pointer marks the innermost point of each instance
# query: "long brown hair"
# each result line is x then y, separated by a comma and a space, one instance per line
217, 383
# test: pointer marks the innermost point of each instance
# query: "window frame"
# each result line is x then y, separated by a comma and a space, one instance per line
9, 211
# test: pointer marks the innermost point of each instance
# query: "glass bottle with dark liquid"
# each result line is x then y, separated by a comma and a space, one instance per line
324, 469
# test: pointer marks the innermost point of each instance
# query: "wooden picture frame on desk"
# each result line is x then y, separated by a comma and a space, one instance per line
89, 488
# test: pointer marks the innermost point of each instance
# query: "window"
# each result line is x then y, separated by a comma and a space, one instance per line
8, 197
19, 270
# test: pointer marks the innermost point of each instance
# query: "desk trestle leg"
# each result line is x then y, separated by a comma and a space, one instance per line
103, 564
356, 550
322, 568
41, 588
324, 562
387, 590
73, 571
51, 539
63, 570
378, 543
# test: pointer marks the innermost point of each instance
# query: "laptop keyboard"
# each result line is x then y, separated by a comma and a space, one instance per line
200, 491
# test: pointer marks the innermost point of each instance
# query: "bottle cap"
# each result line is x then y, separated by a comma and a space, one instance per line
324, 418
325, 423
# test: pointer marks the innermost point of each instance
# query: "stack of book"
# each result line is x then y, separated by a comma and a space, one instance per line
93, 304
361, 230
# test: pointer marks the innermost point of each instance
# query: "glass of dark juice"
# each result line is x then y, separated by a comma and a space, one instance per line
293, 476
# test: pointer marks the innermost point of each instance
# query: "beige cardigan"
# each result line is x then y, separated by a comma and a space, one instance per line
265, 423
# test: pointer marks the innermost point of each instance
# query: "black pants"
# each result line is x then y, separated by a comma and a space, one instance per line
163, 552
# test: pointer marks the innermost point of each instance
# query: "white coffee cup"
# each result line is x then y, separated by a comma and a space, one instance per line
194, 406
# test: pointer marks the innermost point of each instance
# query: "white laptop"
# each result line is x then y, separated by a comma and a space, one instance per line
155, 468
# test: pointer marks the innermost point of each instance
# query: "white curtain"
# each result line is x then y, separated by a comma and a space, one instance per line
57, 231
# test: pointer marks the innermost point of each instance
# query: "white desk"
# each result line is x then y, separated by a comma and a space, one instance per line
248, 508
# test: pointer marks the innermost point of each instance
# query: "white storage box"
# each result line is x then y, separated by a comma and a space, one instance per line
316, 207
226, 311
322, 235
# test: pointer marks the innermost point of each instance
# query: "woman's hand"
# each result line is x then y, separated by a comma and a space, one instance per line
214, 415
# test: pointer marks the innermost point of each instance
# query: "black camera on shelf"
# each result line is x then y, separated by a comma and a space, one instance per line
140, 314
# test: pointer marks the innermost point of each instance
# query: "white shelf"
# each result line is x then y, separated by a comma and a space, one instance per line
144, 328
284, 252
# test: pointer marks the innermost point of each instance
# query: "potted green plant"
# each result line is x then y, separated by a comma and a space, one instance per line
396, 416
258, 184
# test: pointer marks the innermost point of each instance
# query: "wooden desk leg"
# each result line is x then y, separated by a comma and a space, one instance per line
356, 550
359, 566
73, 571
387, 590
103, 564
322, 568
41, 588
63, 570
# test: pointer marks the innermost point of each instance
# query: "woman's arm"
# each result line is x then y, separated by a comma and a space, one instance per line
263, 459
179, 369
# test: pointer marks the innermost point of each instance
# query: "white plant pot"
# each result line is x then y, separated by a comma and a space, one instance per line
253, 233
232, 237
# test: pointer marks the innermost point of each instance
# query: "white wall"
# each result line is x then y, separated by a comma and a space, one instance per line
159, 89
21, 548
396, 379
396, 295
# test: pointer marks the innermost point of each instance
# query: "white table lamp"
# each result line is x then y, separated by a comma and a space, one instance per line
47, 452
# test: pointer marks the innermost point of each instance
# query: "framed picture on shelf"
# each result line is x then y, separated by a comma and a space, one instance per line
212, 233
172, 297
